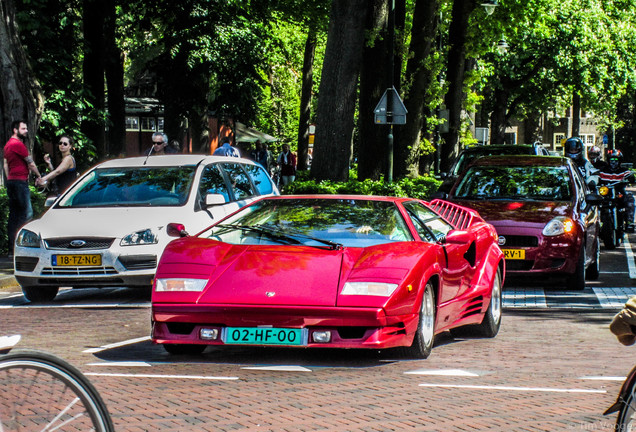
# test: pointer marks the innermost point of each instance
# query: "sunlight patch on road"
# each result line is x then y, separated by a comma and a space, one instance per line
630, 258
122, 363
613, 297
509, 388
279, 368
603, 378
524, 297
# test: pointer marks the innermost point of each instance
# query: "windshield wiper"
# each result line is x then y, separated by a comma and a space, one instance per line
280, 234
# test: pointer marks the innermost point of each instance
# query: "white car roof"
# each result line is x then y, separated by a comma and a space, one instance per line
169, 160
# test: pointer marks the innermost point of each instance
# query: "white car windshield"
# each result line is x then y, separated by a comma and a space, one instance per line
132, 186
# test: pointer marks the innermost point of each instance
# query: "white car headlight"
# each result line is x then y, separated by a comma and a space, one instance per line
559, 225
28, 238
142, 237
196, 285
369, 288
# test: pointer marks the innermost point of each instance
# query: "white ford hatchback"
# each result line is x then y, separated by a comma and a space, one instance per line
109, 228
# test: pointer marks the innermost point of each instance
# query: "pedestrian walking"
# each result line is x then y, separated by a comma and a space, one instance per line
227, 149
287, 162
17, 165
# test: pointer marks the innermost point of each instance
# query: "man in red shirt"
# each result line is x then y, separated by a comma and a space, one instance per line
17, 164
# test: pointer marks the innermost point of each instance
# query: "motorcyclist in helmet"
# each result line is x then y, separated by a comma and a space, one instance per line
615, 172
573, 149
594, 156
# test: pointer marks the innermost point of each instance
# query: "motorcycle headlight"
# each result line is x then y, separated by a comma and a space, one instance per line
603, 190
196, 285
28, 238
559, 225
142, 237
369, 288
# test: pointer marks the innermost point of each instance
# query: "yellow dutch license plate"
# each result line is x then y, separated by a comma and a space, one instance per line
76, 260
513, 254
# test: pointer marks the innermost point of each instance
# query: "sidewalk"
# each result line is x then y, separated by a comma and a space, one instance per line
6, 273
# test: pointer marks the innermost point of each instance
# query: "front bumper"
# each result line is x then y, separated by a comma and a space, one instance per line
350, 327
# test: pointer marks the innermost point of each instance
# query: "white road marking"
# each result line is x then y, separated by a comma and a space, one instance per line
181, 377
123, 363
442, 372
613, 297
279, 368
507, 388
524, 297
116, 345
630, 258
604, 378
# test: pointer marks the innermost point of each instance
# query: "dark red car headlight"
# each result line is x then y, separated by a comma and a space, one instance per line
558, 226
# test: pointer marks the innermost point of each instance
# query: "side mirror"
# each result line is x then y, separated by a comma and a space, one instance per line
214, 199
49, 202
176, 230
458, 237
591, 200
439, 195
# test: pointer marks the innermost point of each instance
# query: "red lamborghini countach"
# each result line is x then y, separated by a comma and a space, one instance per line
330, 271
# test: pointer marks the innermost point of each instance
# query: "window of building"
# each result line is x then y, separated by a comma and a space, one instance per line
148, 124
132, 123
559, 139
160, 124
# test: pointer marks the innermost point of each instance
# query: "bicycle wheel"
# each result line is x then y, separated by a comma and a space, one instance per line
41, 392
626, 420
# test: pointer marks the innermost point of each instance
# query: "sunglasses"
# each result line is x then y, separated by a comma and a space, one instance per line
64, 143
157, 142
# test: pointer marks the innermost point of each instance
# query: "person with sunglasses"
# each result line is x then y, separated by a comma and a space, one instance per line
160, 145
66, 172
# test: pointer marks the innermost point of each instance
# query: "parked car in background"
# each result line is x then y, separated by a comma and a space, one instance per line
330, 271
109, 228
544, 214
469, 154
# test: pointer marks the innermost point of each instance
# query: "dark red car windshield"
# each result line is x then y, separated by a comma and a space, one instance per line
545, 183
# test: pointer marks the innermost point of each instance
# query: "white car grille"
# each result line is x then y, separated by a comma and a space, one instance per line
77, 271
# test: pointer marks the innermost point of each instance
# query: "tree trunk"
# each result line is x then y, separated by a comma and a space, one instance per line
498, 117
425, 26
374, 80
20, 94
305, 99
336, 106
93, 16
532, 129
576, 113
114, 68
455, 78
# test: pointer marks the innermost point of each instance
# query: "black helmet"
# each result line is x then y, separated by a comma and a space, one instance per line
614, 158
573, 146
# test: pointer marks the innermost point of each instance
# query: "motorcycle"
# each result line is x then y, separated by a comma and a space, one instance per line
613, 213
625, 404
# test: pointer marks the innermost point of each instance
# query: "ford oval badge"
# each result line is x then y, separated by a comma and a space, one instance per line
78, 243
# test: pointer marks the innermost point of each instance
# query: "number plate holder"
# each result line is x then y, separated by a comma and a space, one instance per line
514, 254
264, 336
76, 260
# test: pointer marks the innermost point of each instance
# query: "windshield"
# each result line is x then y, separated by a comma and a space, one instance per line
516, 182
466, 157
314, 222
132, 186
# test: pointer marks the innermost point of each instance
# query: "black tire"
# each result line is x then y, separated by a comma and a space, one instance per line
39, 388
608, 234
626, 419
184, 349
425, 335
594, 269
39, 294
576, 281
491, 323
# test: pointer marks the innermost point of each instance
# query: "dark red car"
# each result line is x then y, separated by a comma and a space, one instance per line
542, 210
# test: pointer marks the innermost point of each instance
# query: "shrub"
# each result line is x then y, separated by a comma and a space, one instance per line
420, 188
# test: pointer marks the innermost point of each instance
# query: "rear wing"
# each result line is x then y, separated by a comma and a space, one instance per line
458, 216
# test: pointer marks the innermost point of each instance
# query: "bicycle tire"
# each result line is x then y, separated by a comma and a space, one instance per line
43, 392
626, 419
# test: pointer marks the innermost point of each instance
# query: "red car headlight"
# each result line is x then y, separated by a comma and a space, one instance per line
369, 288
558, 226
